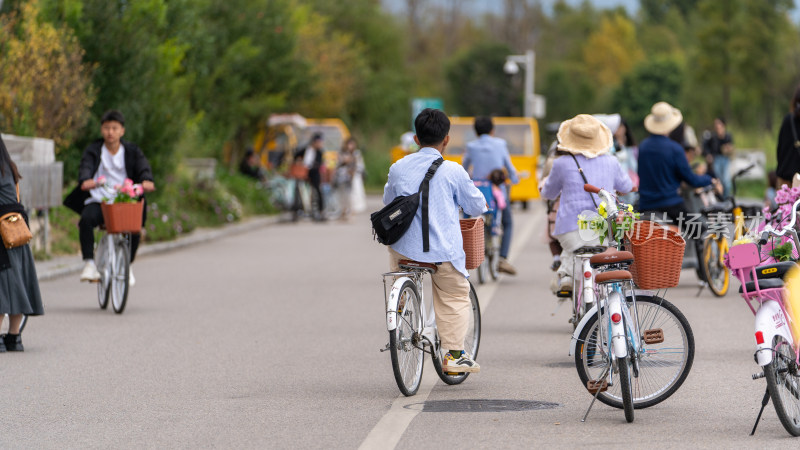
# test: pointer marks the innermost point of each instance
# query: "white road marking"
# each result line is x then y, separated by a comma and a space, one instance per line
390, 429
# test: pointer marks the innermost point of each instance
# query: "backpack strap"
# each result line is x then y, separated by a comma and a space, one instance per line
423, 191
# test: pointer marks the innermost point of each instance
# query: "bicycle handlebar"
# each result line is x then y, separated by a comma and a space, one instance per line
593, 189
787, 229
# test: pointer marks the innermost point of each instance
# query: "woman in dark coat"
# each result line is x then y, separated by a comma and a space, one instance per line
789, 143
19, 286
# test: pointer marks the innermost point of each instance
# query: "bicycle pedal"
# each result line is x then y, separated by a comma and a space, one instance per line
654, 336
594, 385
564, 294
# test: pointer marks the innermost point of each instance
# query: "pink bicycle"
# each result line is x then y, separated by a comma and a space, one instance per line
776, 351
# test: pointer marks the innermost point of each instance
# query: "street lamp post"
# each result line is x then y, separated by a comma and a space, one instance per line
527, 61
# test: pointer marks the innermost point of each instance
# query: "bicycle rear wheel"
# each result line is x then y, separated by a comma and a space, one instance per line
625, 370
493, 256
471, 342
405, 341
103, 260
717, 275
663, 366
784, 386
120, 275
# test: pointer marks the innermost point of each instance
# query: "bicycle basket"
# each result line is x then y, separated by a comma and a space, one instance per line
472, 234
123, 217
658, 255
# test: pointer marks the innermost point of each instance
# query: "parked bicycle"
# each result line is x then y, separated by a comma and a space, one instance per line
715, 244
632, 349
112, 255
776, 350
411, 323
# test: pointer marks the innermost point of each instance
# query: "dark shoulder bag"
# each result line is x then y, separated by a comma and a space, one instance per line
391, 223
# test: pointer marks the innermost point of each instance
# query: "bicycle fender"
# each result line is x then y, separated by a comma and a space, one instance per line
618, 335
391, 305
770, 322
574, 341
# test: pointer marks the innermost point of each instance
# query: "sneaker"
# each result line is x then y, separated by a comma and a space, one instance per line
556, 264
463, 364
506, 267
131, 278
13, 342
90, 272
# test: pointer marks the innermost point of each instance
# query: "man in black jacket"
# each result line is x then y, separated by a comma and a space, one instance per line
114, 160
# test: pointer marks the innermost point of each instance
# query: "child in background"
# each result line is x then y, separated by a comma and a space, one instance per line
498, 178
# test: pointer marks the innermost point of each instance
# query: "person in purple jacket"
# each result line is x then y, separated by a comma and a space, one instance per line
587, 143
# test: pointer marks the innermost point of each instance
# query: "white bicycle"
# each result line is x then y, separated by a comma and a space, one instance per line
112, 255
412, 327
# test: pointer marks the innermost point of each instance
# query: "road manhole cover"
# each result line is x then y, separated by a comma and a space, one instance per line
562, 365
481, 405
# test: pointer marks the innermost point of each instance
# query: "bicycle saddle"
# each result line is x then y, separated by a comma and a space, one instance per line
611, 256
613, 276
412, 265
589, 250
777, 270
769, 283
719, 207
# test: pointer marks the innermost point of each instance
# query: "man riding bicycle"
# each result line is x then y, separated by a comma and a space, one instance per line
116, 160
484, 155
449, 189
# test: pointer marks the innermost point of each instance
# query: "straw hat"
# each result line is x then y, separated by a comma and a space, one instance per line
584, 135
662, 119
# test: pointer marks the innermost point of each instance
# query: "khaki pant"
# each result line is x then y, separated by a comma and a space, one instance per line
450, 302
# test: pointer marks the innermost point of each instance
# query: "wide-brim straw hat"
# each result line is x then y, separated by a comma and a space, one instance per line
584, 135
663, 118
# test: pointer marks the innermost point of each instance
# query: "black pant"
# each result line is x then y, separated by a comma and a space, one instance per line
91, 218
315, 180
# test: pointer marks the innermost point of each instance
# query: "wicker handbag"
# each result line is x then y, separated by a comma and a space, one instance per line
13, 229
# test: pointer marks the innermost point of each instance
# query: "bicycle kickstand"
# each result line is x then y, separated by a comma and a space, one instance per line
764, 403
602, 377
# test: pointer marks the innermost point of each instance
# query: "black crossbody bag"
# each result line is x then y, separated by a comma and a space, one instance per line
391, 223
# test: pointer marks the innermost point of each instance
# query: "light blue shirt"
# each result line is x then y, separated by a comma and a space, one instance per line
449, 188
486, 154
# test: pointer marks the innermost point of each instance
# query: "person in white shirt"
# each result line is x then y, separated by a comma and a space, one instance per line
115, 160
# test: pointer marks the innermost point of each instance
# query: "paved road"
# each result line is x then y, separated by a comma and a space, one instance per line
270, 339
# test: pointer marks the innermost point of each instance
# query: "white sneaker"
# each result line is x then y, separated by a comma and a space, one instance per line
131, 278
90, 272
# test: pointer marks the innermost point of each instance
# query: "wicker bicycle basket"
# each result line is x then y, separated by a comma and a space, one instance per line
472, 234
123, 217
658, 255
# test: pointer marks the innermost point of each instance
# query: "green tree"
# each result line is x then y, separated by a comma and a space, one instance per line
478, 85
758, 42
612, 50
138, 72
45, 86
569, 92
650, 82
714, 64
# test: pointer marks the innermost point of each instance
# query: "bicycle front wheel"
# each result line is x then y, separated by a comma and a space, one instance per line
663, 366
120, 277
405, 341
784, 385
103, 260
471, 342
717, 275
